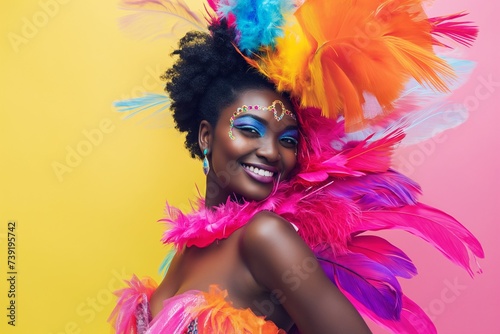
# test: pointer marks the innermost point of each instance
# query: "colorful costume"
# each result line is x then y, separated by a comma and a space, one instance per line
378, 88
190, 312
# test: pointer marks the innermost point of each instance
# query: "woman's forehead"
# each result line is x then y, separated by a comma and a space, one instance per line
264, 104
262, 96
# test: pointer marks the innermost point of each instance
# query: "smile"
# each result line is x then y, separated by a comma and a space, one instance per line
259, 174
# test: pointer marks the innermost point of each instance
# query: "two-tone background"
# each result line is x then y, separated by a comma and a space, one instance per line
86, 187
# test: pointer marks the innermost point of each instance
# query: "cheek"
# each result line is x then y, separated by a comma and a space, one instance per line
227, 154
235, 149
289, 161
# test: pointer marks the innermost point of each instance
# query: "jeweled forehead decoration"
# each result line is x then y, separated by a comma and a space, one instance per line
277, 104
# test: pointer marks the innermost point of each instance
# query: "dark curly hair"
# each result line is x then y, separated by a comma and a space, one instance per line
207, 77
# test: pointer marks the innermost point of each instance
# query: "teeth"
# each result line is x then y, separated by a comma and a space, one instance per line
258, 171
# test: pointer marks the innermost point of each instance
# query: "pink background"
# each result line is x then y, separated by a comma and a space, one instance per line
459, 174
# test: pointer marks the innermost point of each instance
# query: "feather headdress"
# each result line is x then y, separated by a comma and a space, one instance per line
351, 58
338, 55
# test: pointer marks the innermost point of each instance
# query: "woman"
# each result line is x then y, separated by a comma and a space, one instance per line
245, 166
277, 241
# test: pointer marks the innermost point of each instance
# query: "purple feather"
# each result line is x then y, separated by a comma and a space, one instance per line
383, 252
367, 281
413, 319
389, 189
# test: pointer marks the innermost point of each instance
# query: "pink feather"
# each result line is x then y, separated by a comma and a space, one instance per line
331, 226
461, 32
374, 156
336, 166
204, 226
434, 226
383, 252
138, 291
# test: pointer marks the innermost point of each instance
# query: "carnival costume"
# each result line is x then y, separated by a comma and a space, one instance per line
367, 79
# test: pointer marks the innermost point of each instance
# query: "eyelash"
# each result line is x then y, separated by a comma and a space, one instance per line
249, 129
290, 140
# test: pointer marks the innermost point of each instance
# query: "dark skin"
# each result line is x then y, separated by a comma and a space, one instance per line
265, 265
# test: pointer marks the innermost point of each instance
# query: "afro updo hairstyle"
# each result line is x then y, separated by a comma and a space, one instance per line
207, 77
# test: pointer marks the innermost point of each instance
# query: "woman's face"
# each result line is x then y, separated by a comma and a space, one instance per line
260, 150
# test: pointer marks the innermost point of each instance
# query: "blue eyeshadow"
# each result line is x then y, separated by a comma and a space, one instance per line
293, 133
250, 122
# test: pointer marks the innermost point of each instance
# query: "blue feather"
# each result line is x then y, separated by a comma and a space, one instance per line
165, 264
139, 104
258, 22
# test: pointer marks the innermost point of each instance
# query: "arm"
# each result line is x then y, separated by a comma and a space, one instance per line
281, 262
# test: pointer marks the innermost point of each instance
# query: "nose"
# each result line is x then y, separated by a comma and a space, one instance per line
268, 149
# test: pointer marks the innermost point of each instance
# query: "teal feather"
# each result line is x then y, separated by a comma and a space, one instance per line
166, 262
258, 22
148, 101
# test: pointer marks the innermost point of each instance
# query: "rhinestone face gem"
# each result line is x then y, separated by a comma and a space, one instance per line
272, 107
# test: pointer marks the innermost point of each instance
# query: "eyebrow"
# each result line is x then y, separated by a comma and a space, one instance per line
265, 122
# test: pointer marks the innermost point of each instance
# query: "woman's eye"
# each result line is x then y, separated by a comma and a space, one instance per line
249, 129
289, 141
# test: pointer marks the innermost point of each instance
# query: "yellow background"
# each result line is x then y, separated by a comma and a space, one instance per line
83, 223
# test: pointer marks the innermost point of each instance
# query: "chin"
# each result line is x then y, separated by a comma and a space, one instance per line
257, 194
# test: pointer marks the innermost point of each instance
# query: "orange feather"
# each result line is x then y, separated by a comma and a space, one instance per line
352, 48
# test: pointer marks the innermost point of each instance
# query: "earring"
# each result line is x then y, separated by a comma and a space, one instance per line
206, 165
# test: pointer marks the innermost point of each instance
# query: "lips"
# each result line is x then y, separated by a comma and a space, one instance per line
264, 174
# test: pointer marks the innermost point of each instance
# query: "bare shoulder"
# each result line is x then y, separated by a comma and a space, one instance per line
270, 247
270, 240
266, 226
281, 262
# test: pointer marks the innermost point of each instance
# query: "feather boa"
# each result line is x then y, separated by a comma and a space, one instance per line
138, 292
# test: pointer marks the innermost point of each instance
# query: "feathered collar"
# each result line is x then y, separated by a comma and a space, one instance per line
324, 212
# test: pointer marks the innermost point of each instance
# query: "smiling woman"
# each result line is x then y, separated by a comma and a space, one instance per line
249, 135
278, 242
261, 148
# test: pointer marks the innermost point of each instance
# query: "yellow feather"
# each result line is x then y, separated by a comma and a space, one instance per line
333, 52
